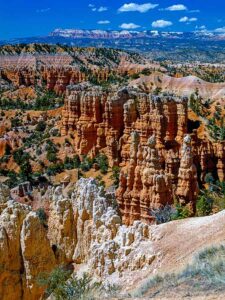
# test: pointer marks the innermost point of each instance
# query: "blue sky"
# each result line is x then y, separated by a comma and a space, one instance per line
23, 18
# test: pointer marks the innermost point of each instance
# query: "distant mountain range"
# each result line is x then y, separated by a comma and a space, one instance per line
177, 46
125, 34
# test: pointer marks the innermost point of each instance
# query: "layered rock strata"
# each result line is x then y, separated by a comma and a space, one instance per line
120, 124
106, 120
53, 72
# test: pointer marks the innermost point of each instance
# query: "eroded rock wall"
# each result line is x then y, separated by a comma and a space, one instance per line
83, 228
120, 123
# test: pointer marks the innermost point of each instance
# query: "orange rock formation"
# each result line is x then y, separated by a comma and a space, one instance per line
147, 136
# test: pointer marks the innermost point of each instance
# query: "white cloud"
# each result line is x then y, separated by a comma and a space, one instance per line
194, 11
161, 24
104, 22
177, 7
201, 28
186, 20
102, 8
42, 10
220, 30
129, 26
142, 8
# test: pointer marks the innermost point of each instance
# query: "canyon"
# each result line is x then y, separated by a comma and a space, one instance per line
149, 135
122, 111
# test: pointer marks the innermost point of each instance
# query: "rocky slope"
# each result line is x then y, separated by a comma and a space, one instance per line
84, 230
184, 86
55, 67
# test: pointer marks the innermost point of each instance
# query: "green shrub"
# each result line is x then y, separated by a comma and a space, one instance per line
51, 156
63, 287
204, 204
41, 126
209, 179
68, 163
26, 171
181, 212
54, 282
157, 91
13, 179
20, 156
16, 122
76, 161
135, 76
115, 175
86, 164
47, 101
51, 151
100, 181
7, 149
54, 169
42, 215
164, 214
146, 72
102, 162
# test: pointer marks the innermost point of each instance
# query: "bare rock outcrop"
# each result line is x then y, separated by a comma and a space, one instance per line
120, 123
11, 220
25, 252
187, 186
37, 255
111, 245
84, 227
93, 233
100, 120
146, 186
88, 234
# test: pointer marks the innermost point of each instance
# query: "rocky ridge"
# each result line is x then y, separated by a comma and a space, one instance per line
56, 67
